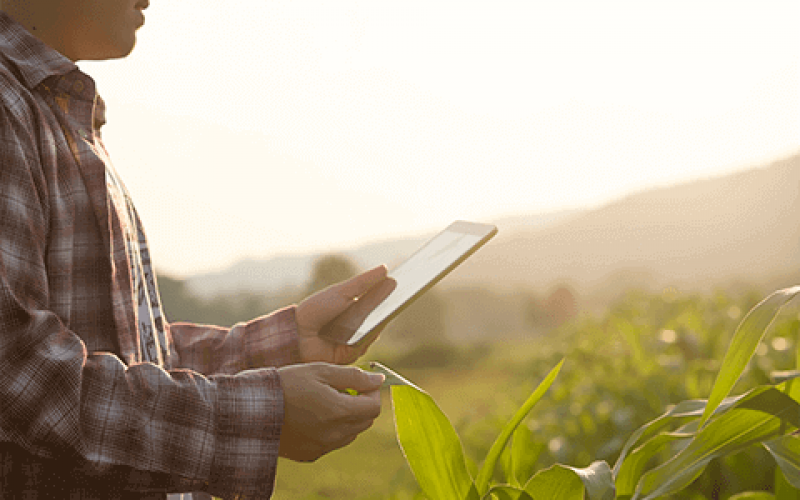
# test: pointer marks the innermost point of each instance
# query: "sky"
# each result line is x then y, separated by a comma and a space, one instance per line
255, 128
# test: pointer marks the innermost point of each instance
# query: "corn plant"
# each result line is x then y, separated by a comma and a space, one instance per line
660, 459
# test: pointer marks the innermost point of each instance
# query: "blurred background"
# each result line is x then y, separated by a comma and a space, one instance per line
641, 160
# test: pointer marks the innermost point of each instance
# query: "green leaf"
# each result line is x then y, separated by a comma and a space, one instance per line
782, 376
631, 470
507, 459
753, 495
628, 468
761, 414
485, 473
786, 451
783, 489
559, 482
520, 456
431, 446
505, 492
598, 480
678, 413
743, 345
645, 443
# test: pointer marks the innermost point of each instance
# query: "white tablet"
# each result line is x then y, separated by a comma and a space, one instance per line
437, 257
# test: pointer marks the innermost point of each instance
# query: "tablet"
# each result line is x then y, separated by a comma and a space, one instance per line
437, 257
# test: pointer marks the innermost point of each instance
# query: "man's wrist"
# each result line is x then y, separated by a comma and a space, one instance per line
272, 340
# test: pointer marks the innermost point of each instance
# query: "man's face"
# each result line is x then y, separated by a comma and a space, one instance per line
99, 29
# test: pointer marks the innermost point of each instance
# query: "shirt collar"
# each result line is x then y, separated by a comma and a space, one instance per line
34, 60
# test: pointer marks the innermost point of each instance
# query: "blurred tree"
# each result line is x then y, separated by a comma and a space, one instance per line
534, 312
330, 269
229, 309
560, 306
224, 310
178, 302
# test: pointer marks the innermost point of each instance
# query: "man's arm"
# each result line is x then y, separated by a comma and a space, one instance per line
290, 335
268, 341
177, 430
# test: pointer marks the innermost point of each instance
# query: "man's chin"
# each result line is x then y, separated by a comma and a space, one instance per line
117, 52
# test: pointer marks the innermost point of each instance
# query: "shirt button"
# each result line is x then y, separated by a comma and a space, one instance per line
82, 133
78, 86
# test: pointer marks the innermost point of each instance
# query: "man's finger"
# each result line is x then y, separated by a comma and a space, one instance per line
354, 315
350, 377
319, 309
342, 328
370, 300
365, 408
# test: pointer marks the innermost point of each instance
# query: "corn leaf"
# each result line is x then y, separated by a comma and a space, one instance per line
639, 449
473, 493
598, 481
635, 463
762, 414
520, 456
783, 489
431, 446
561, 482
786, 451
753, 495
743, 345
507, 459
556, 483
486, 471
506, 492
678, 414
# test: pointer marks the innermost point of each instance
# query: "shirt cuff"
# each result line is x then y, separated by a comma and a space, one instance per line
271, 341
250, 412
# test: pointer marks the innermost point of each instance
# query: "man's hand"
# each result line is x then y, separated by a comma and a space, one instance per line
348, 303
318, 418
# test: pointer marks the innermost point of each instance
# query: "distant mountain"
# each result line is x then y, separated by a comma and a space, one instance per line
286, 271
739, 227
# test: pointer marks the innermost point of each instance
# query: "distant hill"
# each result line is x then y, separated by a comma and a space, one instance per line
740, 227
286, 271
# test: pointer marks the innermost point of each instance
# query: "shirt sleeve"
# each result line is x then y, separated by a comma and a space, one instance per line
268, 341
153, 429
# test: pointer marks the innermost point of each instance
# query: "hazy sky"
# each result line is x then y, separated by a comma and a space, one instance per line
258, 127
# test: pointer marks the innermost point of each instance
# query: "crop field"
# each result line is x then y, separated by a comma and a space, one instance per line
622, 369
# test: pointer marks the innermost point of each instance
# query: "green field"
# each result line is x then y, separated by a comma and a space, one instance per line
623, 368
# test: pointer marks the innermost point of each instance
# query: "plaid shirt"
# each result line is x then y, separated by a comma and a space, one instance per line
82, 416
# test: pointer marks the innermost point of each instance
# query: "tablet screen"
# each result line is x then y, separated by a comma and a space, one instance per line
428, 264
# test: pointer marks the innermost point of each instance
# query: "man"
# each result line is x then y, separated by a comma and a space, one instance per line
100, 398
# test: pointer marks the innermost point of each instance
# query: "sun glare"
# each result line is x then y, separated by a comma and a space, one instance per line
390, 118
